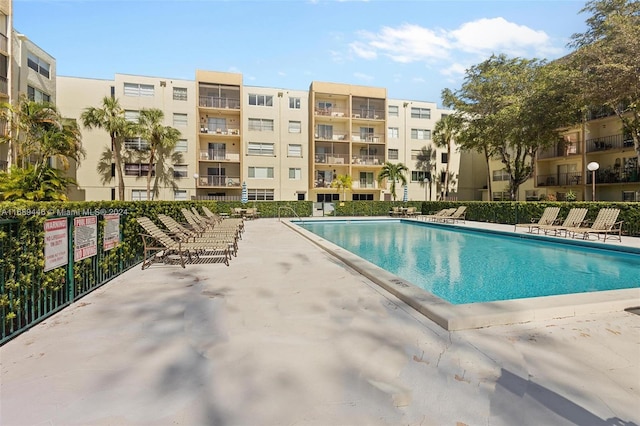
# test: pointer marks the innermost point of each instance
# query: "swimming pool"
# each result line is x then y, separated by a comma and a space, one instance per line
591, 299
466, 266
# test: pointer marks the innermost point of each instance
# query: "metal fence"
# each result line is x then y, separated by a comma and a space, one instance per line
28, 294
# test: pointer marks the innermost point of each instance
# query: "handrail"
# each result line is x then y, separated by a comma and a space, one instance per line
289, 208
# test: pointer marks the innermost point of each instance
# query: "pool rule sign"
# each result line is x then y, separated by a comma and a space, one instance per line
85, 237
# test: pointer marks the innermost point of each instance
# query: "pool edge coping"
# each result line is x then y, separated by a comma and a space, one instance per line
477, 315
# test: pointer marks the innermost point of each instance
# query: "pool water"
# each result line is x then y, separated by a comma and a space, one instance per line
469, 266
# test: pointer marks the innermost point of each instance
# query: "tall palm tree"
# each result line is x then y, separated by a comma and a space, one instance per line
159, 138
426, 162
393, 173
110, 117
343, 182
444, 133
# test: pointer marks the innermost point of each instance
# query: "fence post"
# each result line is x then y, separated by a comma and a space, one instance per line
70, 254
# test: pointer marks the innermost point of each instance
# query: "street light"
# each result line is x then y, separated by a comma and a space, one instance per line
592, 167
426, 186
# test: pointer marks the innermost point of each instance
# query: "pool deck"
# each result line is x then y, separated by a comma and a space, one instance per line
289, 335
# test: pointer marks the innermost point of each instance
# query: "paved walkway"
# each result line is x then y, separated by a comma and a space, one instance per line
286, 335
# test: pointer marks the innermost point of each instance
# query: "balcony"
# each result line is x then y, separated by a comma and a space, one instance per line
560, 179
367, 160
616, 175
561, 149
368, 113
210, 181
331, 137
332, 111
606, 143
368, 138
331, 158
217, 155
222, 131
218, 102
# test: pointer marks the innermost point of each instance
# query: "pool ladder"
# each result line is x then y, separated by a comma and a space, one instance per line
288, 208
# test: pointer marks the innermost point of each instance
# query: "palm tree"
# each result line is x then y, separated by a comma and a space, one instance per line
445, 131
159, 138
394, 173
426, 161
110, 117
343, 182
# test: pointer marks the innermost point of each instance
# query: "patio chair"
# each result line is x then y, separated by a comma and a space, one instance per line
411, 211
199, 225
574, 218
439, 215
458, 215
160, 246
395, 211
549, 216
187, 234
605, 224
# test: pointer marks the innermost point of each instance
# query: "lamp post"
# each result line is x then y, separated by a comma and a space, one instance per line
195, 188
426, 186
592, 167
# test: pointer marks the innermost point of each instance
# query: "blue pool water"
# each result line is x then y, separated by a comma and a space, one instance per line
466, 266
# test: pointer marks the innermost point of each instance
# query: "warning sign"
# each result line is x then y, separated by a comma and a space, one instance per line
56, 249
85, 237
111, 231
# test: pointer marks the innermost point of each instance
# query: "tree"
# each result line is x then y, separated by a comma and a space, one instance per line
160, 140
343, 182
110, 117
444, 133
509, 108
607, 54
426, 162
393, 173
34, 183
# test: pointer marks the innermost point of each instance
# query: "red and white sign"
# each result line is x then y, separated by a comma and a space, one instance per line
85, 237
56, 249
111, 231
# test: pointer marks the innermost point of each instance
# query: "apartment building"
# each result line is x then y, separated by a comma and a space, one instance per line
282, 144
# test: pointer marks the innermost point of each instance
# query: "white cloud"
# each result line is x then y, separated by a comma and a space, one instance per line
362, 76
455, 70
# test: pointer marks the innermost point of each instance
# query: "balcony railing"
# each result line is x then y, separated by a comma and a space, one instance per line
616, 175
560, 150
560, 179
217, 102
609, 142
219, 130
331, 111
216, 155
369, 137
219, 181
331, 136
331, 158
368, 113
367, 160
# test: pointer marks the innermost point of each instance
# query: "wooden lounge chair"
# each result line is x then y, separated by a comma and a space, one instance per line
198, 223
439, 215
574, 218
549, 216
605, 224
161, 246
458, 215
187, 234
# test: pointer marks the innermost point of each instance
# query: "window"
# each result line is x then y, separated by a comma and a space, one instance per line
501, 196
137, 169
179, 93
179, 120
138, 195
260, 194
420, 134
500, 175
180, 171
444, 158
394, 110
260, 148
362, 197
393, 154
531, 195
261, 172
38, 65
136, 144
393, 133
295, 174
294, 103
366, 180
294, 150
420, 176
261, 124
260, 100
181, 146
366, 134
135, 89
295, 127
420, 113
131, 116
180, 195
415, 153
324, 131
36, 95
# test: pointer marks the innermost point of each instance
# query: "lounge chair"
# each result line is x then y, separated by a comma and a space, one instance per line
411, 211
549, 216
458, 215
605, 224
161, 246
188, 234
395, 211
573, 220
199, 224
439, 215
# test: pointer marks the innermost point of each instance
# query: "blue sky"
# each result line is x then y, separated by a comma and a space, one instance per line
415, 49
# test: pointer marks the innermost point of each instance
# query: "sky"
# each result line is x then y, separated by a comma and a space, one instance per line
414, 49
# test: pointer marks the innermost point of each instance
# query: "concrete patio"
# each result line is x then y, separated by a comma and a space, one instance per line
288, 335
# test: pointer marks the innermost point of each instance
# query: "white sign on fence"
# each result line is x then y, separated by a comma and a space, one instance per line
111, 231
85, 237
56, 249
